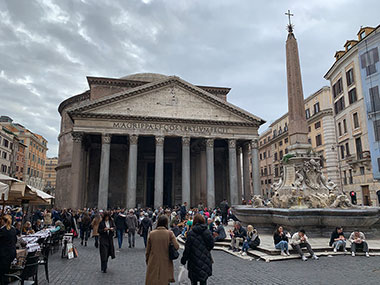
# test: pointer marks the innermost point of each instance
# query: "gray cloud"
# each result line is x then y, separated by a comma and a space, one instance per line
48, 48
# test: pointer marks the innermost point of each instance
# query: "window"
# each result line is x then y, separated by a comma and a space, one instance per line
362, 171
342, 152
269, 181
275, 156
309, 140
344, 177
274, 133
316, 108
5, 142
352, 98
279, 131
307, 113
347, 149
262, 171
28, 170
268, 153
318, 140
339, 129
344, 126
286, 151
339, 105
356, 120
276, 171
375, 98
369, 60
376, 126
351, 178
286, 127
309, 129
337, 88
4, 155
286, 140
281, 154
270, 169
265, 154
362, 35
317, 125
350, 77
266, 171
359, 150
280, 143
261, 156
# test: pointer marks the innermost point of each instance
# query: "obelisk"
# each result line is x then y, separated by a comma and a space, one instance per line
298, 129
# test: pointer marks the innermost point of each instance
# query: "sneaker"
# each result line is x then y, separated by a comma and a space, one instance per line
335, 250
315, 257
353, 254
367, 254
345, 250
304, 258
244, 253
283, 253
287, 253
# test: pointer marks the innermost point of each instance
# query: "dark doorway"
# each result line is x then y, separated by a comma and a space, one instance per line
366, 196
168, 184
150, 185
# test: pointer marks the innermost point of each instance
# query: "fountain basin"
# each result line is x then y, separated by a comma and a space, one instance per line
320, 221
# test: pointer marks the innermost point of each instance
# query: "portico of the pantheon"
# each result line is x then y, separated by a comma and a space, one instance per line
155, 140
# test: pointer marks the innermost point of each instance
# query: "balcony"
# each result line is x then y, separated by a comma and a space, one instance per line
360, 159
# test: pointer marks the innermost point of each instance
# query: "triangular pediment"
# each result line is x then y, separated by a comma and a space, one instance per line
169, 98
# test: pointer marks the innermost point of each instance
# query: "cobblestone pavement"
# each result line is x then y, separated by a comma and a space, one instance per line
129, 268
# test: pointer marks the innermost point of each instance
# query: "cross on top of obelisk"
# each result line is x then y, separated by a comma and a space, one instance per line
290, 25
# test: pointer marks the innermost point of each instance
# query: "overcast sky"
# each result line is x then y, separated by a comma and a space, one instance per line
47, 48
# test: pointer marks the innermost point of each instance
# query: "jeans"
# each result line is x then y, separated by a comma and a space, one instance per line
283, 245
245, 246
131, 238
298, 247
120, 233
145, 237
339, 244
84, 234
363, 246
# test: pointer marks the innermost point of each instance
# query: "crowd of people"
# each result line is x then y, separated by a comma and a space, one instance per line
199, 227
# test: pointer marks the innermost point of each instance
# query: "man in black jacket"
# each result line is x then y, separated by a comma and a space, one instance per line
238, 235
183, 211
224, 209
121, 226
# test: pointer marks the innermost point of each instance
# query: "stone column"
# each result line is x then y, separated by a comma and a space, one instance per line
77, 171
239, 174
246, 173
159, 173
232, 169
255, 167
104, 172
210, 173
186, 170
132, 172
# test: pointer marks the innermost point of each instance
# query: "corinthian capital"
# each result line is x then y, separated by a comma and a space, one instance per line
232, 143
106, 138
210, 142
133, 139
185, 141
255, 143
160, 140
77, 137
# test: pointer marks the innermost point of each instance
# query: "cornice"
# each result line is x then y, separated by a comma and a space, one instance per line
163, 83
75, 99
79, 115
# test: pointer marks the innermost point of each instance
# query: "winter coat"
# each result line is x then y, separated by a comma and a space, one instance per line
121, 222
199, 243
221, 232
95, 226
240, 233
160, 268
145, 225
277, 238
224, 207
106, 246
335, 235
132, 223
8, 241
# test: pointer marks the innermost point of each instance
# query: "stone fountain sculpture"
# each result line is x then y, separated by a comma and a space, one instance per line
303, 196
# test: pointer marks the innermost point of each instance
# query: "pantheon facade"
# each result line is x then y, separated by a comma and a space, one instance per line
154, 140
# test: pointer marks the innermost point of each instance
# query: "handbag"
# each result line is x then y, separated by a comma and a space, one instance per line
173, 253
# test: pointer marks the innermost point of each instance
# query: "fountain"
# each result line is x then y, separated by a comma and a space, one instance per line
303, 197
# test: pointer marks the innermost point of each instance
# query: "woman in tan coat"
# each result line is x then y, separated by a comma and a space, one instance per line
160, 268
95, 226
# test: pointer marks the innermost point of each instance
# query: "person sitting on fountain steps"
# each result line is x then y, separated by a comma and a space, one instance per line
299, 241
281, 240
238, 235
337, 240
357, 240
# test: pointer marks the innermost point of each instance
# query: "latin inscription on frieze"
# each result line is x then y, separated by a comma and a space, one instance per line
170, 128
